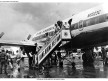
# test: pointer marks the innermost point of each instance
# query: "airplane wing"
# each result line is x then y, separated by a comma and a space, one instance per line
16, 43
26, 42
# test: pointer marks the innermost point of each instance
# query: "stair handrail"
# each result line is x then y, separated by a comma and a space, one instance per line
42, 54
49, 41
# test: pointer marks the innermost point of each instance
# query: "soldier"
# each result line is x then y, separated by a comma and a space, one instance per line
55, 58
65, 25
30, 60
3, 61
103, 54
60, 58
69, 22
60, 23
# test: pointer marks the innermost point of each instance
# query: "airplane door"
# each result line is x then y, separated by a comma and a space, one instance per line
80, 25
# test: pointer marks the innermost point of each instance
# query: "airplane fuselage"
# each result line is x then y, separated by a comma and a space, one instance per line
93, 37
89, 28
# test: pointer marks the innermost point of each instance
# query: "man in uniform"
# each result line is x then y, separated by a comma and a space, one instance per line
104, 53
60, 58
60, 23
3, 61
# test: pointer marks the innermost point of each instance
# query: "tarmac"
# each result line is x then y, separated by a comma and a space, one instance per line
96, 71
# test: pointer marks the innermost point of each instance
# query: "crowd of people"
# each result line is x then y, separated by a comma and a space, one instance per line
55, 59
90, 55
103, 54
8, 60
62, 25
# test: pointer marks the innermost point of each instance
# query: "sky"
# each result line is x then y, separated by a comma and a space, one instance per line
18, 20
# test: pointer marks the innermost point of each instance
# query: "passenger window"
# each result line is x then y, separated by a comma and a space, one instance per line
102, 19
87, 22
81, 24
72, 27
92, 21
84, 23
76, 26
106, 17
96, 20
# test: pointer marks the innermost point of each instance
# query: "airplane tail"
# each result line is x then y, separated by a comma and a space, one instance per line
29, 36
2, 33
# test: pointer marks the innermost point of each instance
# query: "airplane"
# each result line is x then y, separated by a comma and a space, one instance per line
88, 29
23, 43
16, 43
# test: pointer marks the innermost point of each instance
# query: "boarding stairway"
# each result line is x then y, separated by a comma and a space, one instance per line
52, 44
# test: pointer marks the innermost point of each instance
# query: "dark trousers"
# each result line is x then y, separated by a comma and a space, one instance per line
30, 63
106, 61
3, 64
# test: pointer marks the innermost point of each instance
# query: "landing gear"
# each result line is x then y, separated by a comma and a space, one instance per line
87, 57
